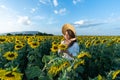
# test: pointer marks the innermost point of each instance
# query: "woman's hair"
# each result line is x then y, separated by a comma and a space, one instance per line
71, 35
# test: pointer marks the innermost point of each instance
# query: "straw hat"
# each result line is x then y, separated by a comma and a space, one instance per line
66, 27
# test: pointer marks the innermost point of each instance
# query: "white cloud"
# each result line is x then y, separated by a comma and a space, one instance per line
76, 1
39, 17
3, 7
25, 20
80, 22
9, 24
61, 11
88, 23
55, 11
44, 1
33, 10
8, 20
55, 3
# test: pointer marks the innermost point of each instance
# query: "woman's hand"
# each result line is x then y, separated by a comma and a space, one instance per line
67, 42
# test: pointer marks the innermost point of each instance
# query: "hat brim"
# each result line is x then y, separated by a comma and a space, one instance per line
66, 27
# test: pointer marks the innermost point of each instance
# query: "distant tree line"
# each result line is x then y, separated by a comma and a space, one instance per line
21, 34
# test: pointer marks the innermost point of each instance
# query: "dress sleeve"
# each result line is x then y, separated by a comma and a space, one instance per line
74, 49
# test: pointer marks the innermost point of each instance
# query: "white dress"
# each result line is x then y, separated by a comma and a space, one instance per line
74, 50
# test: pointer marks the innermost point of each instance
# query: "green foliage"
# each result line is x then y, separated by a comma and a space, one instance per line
33, 72
35, 63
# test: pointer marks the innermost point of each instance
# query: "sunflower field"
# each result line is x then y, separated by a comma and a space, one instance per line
36, 58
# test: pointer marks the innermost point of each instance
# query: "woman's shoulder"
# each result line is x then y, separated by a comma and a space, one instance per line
75, 43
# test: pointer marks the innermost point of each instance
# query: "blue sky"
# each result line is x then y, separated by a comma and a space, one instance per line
89, 17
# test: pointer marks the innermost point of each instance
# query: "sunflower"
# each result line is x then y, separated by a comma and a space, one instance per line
9, 75
29, 40
64, 65
18, 42
58, 43
88, 44
62, 47
18, 46
80, 42
54, 43
54, 70
79, 63
54, 48
99, 77
10, 55
2, 72
96, 42
103, 41
115, 74
2, 40
10, 40
118, 40
62, 39
83, 54
110, 43
34, 44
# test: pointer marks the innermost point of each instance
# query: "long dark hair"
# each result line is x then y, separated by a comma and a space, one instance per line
72, 35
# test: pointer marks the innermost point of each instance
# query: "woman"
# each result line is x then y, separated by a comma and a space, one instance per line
71, 42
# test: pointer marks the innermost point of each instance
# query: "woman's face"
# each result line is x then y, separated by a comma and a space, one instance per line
66, 36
